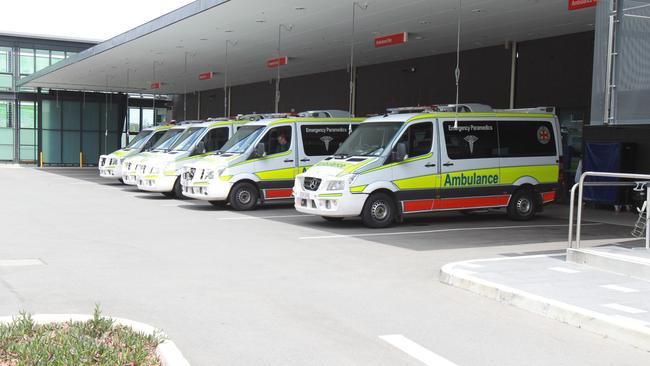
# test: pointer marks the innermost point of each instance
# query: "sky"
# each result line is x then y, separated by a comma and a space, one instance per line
82, 19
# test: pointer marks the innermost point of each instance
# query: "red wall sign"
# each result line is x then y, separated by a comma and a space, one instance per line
155, 86
391, 39
581, 4
276, 62
206, 75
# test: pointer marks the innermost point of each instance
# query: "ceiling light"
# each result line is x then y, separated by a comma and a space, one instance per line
203, 39
300, 8
423, 22
228, 31
260, 21
477, 10
418, 38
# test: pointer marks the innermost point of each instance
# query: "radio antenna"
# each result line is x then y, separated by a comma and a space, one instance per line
457, 71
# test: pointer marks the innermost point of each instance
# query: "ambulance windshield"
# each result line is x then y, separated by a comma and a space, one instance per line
139, 140
189, 139
369, 139
242, 139
167, 140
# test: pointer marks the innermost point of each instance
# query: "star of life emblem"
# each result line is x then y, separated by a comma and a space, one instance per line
326, 140
471, 139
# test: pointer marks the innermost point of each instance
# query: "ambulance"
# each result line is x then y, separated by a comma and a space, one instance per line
110, 166
161, 172
447, 158
260, 162
131, 164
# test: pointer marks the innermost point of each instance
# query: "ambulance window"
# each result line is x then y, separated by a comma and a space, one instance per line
526, 138
471, 139
277, 140
418, 139
216, 138
319, 140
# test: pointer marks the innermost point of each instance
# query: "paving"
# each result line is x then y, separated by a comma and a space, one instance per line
275, 287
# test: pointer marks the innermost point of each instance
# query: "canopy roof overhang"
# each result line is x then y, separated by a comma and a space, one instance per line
319, 41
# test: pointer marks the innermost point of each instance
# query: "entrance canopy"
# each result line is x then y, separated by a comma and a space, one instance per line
192, 40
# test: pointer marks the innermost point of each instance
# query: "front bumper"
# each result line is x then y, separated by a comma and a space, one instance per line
130, 178
207, 190
113, 172
328, 203
156, 183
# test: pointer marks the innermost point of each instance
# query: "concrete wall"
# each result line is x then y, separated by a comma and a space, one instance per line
550, 72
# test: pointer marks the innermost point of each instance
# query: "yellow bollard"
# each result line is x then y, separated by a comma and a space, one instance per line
41, 159
81, 159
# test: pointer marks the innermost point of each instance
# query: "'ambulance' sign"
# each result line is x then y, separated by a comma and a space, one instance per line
391, 39
277, 62
581, 4
155, 85
206, 75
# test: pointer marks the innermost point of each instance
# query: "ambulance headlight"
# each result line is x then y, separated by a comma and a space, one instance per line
337, 185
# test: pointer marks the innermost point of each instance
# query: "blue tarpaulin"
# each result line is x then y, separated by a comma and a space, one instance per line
602, 157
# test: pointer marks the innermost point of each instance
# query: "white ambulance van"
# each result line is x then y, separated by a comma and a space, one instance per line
260, 162
110, 166
131, 164
399, 164
161, 172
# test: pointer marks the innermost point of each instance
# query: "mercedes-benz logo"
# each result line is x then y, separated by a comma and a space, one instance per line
312, 185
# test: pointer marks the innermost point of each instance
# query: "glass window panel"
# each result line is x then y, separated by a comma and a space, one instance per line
319, 140
42, 59
71, 147
5, 113
26, 61
28, 153
91, 116
147, 117
70, 54
27, 114
6, 136
6, 81
51, 147
51, 115
57, 56
5, 59
6, 152
471, 139
90, 146
134, 120
28, 137
71, 115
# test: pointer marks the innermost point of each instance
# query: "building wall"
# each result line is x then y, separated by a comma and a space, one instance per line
550, 72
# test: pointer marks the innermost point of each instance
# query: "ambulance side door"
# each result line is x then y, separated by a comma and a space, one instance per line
276, 170
318, 141
417, 176
470, 171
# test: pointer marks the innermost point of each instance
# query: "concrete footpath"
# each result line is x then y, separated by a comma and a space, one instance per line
603, 302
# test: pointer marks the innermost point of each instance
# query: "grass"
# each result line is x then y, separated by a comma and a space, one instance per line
96, 342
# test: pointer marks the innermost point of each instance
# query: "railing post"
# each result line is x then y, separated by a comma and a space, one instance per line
571, 213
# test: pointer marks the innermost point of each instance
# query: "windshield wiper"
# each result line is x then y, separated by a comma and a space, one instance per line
342, 156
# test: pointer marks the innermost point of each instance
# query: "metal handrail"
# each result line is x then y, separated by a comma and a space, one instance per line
580, 185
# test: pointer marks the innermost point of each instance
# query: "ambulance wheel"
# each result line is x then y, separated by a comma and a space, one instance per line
522, 205
379, 211
243, 196
332, 219
178, 190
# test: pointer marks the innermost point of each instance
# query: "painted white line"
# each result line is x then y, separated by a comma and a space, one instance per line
20, 262
623, 308
437, 231
619, 288
261, 217
416, 351
563, 270
471, 265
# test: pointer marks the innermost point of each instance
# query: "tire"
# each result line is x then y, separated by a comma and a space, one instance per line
177, 191
332, 219
379, 211
243, 196
522, 206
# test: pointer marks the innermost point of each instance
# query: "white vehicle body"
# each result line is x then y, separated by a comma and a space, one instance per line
256, 160
131, 165
110, 166
160, 172
435, 161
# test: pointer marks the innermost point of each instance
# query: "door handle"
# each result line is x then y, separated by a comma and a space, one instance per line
430, 165
448, 164
288, 160
305, 160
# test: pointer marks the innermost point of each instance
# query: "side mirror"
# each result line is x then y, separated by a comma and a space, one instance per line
259, 151
399, 153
